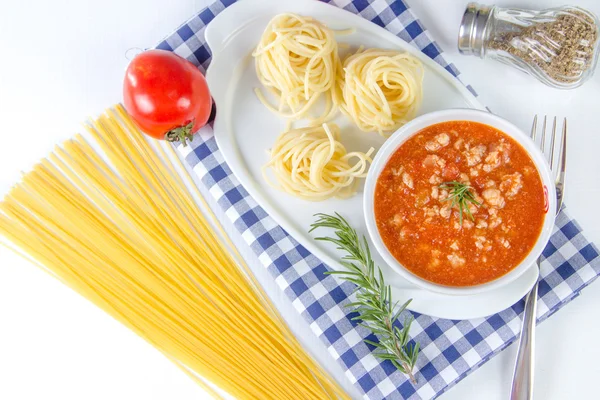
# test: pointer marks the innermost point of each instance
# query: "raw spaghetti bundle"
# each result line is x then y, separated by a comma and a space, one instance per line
311, 163
297, 61
380, 90
122, 228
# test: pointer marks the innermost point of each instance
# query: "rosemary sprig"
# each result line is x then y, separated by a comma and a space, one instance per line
461, 196
374, 303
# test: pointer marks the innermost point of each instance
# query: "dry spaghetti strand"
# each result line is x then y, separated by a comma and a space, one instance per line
120, 226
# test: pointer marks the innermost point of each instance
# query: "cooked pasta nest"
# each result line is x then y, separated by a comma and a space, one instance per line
380, 90
311, 163
297, 60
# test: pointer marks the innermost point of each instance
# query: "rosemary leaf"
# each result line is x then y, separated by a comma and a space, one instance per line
374, 304
461, 197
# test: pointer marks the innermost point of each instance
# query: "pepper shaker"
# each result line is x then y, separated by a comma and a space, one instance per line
559, 46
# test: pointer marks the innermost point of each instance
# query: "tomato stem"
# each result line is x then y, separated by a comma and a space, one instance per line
181, 134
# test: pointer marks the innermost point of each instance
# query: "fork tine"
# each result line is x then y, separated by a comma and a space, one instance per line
562, 153
543, 143
561, 167
552, 140
533, 128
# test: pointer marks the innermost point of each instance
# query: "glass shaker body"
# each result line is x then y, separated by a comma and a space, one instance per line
559, 46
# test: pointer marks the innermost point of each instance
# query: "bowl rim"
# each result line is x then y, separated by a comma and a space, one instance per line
459, 114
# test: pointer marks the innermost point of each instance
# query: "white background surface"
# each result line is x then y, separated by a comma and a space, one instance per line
64, 60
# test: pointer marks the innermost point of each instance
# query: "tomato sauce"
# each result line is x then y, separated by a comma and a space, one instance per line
422, 228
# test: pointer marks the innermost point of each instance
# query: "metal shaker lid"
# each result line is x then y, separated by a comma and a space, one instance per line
471, 35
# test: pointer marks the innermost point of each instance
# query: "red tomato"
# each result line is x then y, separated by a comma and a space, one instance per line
166, 95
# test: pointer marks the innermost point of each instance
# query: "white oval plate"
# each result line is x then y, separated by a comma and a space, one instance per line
245, 129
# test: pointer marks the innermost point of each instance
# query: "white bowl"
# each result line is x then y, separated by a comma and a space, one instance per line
416, 125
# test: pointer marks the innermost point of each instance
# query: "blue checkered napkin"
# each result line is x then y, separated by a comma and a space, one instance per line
450, 349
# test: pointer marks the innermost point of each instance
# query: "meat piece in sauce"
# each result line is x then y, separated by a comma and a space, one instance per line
397, 171
504, 242
511, 184
421, 199
451, 171
432, 211
433, 160
498, 155
481, 224
439, 141
493, 197
466, 223
475, 171
446, 211
435, 179
443, 195
464, 178
404, 232
456, 260
480, 241
458, 144
408, 180
435, 259
495, 221
475, 154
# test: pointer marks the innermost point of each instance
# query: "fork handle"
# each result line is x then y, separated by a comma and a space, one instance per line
522, 385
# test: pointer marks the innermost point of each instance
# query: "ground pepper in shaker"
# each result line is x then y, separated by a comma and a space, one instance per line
559, 46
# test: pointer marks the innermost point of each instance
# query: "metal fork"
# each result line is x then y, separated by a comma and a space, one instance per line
522, 384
